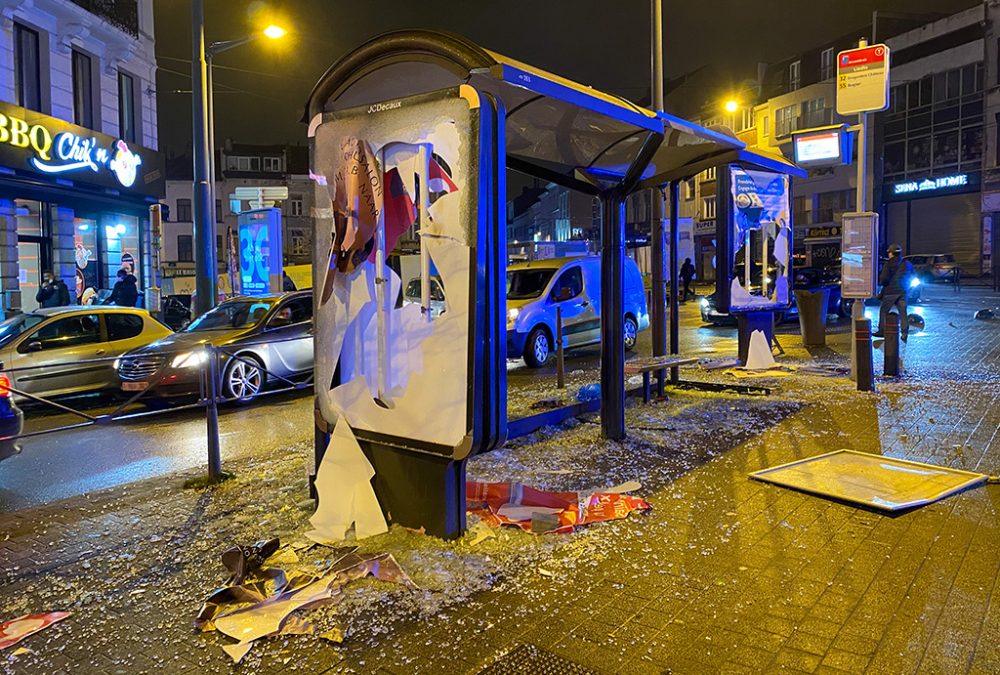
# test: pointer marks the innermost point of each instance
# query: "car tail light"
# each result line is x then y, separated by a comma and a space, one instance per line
4, 386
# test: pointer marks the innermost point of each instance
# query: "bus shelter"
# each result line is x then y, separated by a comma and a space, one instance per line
411, 135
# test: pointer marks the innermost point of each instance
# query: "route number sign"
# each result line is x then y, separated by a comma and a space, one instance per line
863, 80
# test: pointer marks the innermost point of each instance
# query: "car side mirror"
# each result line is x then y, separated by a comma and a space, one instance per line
34, 346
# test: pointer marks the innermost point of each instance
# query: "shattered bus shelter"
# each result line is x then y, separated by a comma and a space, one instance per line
411, 135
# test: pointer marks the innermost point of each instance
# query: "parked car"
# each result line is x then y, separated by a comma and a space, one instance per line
270, 333
411, 294
805, 278
175, 311
11, 421
933, 267
61, 341
535, 289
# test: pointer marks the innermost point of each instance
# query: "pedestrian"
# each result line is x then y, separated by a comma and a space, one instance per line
894, 280
687, 274
52, 292
126, 290
956, 279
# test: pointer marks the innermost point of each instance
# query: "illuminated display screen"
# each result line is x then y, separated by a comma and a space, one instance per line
821, 147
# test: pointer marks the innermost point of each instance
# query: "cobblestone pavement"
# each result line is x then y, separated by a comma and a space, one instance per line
724, 575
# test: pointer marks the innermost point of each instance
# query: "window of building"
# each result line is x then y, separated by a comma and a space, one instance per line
918, 153
746, 119
800, 210
689, 190
786, 120
118, 240
766, 126
272, 164
830, 206
794, 75
814, 113
826, 64
27, 68
708, 208
218, 210
708, 174
126, 108
185, 248
83, 90
184, 211
240, 163
295, 206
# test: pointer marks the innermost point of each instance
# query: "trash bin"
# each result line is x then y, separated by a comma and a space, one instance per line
812, 315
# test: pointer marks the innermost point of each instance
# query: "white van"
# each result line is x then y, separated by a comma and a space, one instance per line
536, 288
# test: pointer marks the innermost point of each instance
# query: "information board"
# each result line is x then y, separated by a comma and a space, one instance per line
859, 254
863, 80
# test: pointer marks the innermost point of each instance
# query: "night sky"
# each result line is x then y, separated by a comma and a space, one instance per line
261, 87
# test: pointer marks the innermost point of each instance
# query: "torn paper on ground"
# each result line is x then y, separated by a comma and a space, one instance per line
759, 355
346, 496
15, 630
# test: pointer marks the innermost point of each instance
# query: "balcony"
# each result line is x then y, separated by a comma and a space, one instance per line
122, 14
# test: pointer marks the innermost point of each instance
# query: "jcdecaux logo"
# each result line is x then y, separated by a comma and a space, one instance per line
66, 152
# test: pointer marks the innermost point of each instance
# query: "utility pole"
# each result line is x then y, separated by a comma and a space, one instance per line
658, 295
206, 271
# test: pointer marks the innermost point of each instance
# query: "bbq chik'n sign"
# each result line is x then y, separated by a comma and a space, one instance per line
36, 143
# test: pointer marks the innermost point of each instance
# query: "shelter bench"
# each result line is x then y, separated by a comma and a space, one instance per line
645, 366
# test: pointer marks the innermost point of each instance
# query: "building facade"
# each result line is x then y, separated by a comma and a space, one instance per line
79, 165
238, 165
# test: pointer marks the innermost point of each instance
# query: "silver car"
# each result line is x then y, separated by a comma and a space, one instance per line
62, 345
272, 335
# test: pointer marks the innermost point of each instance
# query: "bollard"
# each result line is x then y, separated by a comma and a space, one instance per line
211, 374
560, 363
890, 362
863, 349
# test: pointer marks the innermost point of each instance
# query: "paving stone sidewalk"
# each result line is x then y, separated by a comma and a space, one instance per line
724, 575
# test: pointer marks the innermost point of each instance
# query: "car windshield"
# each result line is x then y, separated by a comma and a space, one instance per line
527, 284
232, 314
17, 325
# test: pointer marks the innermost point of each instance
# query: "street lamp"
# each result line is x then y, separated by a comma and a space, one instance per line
203, 142
732, 106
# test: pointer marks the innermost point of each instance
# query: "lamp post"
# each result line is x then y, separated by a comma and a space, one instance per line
203, 142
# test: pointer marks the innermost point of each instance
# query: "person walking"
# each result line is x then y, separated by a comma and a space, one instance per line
894, 280
687, 274
52, 292
126, 290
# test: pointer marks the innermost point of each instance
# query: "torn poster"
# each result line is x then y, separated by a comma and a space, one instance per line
346, 496
15, 630
540, 511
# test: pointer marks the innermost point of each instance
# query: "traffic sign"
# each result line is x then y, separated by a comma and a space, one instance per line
863, 80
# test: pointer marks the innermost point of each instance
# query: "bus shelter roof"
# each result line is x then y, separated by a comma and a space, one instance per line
556, 129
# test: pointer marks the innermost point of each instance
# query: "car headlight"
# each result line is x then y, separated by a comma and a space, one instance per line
513, 313
914, 282
116, 363
704, 303
189, 360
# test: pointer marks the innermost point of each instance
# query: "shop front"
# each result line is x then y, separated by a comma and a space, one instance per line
74, 202
937, 215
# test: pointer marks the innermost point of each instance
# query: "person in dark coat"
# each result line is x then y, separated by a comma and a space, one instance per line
894, 280
52, 292
125, 292
687, 274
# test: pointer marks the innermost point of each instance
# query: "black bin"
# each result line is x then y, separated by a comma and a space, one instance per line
812, 315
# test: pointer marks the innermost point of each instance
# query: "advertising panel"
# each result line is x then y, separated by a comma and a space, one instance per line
405, 170
761, 240
260, 251
859, 251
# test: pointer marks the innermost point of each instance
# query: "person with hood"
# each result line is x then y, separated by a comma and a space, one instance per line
126, 290
894, 280
687, 274
52, 292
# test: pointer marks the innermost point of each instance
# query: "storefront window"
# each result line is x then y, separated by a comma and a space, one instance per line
32, 250
87, 269
120, 245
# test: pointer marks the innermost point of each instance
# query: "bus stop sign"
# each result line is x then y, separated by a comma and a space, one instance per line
863, 80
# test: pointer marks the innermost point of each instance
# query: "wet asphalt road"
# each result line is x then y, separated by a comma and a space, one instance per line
68, 463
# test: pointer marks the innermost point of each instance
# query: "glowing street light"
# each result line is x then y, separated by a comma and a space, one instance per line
274, 32
732, 106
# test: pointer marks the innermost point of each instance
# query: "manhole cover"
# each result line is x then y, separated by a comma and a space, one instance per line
533, 660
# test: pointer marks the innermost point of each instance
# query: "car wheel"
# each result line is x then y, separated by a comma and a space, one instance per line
243, 379
630, 332
537, 348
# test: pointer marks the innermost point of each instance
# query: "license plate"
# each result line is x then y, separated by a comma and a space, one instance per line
135, 386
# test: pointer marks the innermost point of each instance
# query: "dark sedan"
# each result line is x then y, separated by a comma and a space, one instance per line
272, 336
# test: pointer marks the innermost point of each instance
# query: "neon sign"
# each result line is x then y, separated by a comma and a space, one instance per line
73, 153
931, 184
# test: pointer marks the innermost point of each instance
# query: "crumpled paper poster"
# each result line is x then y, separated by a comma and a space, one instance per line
15, 630
540, 511
346, 496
